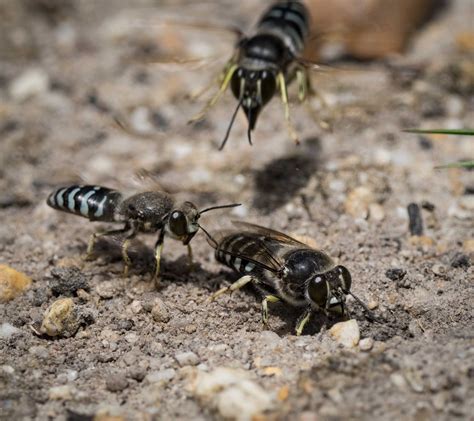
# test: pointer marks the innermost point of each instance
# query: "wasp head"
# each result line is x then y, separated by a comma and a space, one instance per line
254, 89
182, 222
327, 290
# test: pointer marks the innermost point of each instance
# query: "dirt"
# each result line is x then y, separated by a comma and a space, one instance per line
136, 350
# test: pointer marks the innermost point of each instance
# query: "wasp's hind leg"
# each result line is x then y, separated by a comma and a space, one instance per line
94, 237
226, 78
284, 99
303, 321
305, 92
267, 299
244, 280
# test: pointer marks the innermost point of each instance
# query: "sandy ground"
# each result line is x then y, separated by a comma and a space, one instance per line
140, 353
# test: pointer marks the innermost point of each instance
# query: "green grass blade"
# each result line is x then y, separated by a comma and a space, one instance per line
462, 164
461, 132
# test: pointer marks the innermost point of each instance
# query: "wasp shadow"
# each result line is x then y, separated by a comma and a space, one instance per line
281, 180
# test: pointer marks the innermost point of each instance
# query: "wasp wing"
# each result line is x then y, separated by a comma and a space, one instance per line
269, 235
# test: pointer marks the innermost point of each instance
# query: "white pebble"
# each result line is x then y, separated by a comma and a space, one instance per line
7, 330
30, 83
187, 358
160, 376
346, 333
366, 344
232, 394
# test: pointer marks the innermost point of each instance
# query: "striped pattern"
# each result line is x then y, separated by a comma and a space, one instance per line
288, 21
236, 244
93, 202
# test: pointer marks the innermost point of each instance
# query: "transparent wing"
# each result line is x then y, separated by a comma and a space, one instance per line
269, 235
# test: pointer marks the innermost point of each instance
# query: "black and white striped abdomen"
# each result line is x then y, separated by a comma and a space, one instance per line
93, 202
289, 20
228, 251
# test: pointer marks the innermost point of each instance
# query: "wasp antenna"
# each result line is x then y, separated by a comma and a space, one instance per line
232, 205
371, 315
230, 126
209, 236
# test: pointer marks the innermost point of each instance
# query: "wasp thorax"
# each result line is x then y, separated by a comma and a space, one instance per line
147, 208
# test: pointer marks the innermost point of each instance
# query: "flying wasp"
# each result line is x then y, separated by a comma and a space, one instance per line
282, 268
147, 212
265, 63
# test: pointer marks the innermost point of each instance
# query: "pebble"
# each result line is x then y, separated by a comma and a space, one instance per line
232, 394
7, 369
160, 376
60, 319
376, 212
66, 281
346, 333
439, 269
12, 283
39, 351
460, 260
372, 304
7, 330
159, 312
366, 344
116, 382
358, 202
187, 358
30, 83
64, 392
106, 289
395, 274
269, 339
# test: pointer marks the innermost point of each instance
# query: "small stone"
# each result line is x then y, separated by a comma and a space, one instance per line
66, 281
395, 274
376, 212
63, 393
269, 339
39, 351
366, 344
137, 373
439, 269
7, 330
372, 305
358, 201
116, 382
131, 338
60, 319
399, 381
30, 83
160, 376
12, 283
7, 369
460, 260
187, 358
159, 311
232, 394
190, 328
346, 333
106, 289
135, 307
468, 246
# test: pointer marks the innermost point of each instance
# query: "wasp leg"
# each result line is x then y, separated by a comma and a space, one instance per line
227, 76
126, 258
94, 237
267, 299
303, 320
190, 256
306, 90
244, 280
158, 250
284, 100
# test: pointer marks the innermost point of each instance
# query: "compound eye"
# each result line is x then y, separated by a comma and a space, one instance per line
178, 223
318, 291
346, 278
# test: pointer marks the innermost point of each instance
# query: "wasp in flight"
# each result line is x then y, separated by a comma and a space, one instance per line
282, 268
147, 212
265, 64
